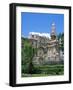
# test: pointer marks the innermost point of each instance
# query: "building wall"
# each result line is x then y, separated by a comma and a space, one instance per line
47, 49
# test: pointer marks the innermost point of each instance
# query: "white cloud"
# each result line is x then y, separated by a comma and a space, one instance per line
47, 35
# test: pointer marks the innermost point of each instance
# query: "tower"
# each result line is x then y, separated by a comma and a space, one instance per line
53, 31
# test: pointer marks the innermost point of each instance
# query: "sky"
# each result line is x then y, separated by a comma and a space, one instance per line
40, 22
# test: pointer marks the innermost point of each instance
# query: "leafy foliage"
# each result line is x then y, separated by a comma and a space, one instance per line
61, 36
27, 56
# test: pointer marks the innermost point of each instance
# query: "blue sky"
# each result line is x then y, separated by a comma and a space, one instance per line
40, 22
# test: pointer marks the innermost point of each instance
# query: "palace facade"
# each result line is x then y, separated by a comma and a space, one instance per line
47, 46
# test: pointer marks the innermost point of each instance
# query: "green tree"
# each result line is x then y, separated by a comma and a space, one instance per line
27, 54
61, 36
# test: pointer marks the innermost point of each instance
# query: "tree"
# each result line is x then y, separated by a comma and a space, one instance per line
61, 36
27, 56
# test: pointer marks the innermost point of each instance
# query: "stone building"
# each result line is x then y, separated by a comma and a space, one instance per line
47, 47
